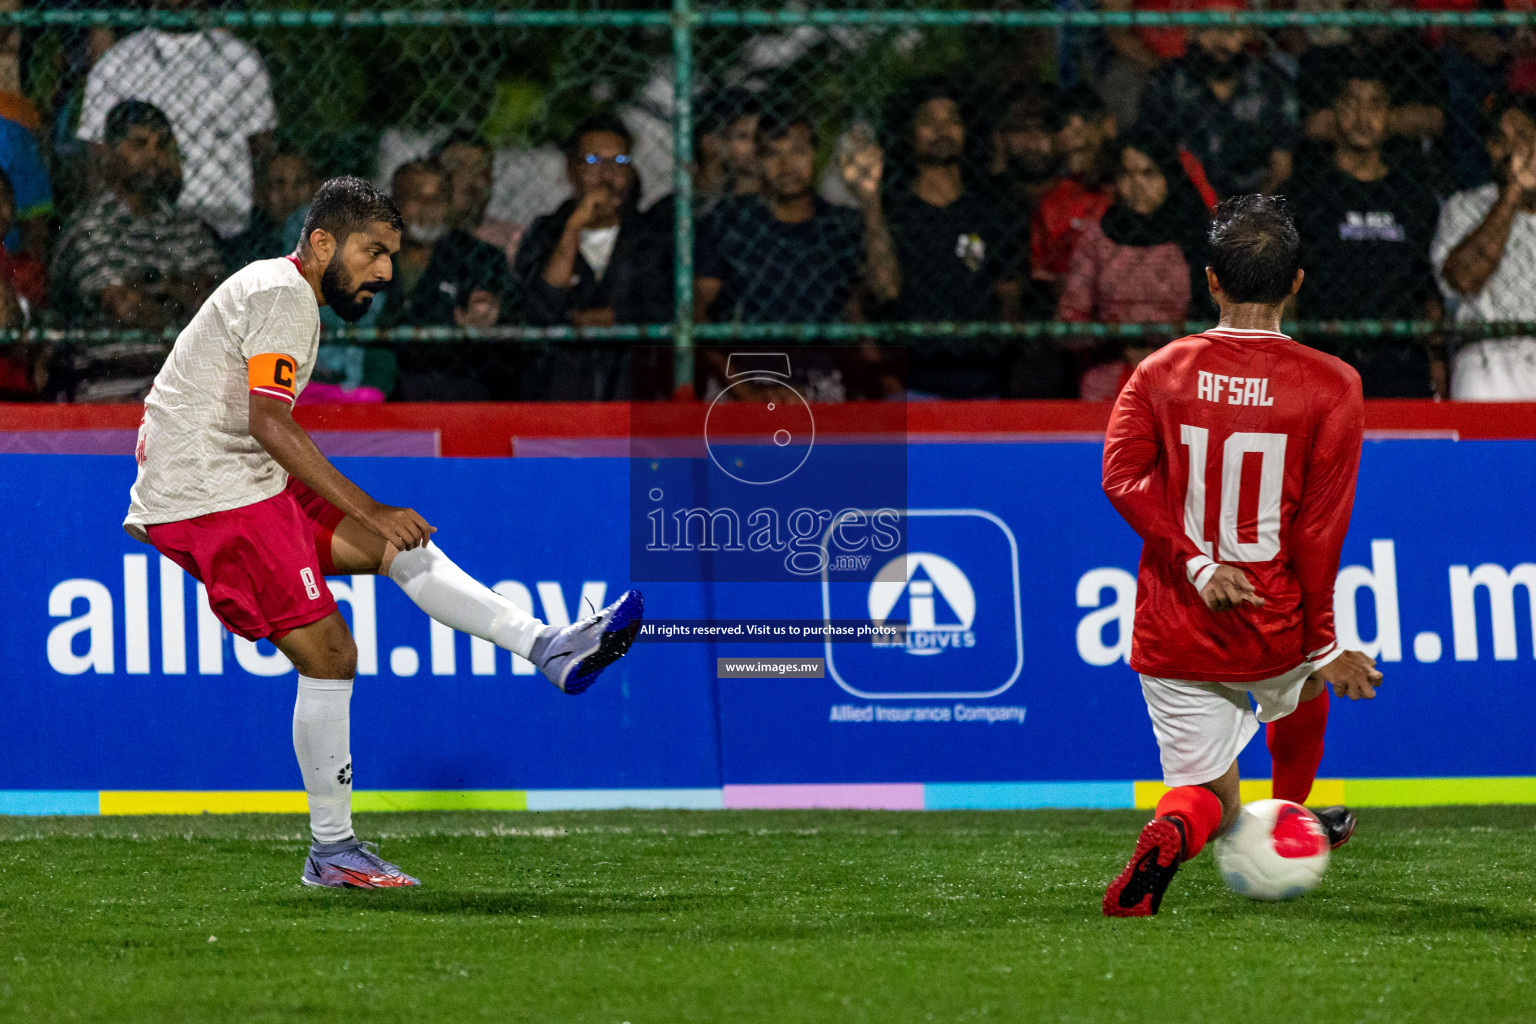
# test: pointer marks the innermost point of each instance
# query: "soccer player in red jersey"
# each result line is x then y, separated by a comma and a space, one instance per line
1233, 454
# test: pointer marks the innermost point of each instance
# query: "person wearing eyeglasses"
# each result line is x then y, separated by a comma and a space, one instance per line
596, 261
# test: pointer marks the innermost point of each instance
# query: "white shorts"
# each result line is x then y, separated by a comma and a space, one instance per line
1201, 727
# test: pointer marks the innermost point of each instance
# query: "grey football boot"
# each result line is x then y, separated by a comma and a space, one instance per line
352, 865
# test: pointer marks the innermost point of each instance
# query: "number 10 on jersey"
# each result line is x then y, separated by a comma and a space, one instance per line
1271, 451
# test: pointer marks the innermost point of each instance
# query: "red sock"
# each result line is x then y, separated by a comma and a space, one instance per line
1296, 747
1198, 808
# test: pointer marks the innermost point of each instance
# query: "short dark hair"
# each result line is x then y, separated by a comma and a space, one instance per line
1501, 103
597, 123
1255, 250
1026, 104
775, 124
130, 113
1360, 71
264, 169
416, 167
463, 135
289, 153
925, 91
347, 204
1082, 100
724, 107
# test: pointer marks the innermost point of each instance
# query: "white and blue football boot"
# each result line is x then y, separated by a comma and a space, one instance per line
573, 656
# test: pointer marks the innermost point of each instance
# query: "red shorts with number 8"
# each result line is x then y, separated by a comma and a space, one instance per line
264, 564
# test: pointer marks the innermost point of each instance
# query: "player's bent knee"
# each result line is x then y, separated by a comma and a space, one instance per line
339, 656
330, 664
322, 650
343, 660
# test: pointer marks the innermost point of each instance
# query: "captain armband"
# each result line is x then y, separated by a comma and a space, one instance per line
273, 375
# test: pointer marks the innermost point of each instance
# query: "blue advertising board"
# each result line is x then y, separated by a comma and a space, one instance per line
1015, 577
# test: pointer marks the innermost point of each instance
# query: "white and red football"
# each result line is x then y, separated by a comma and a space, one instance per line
1276, 850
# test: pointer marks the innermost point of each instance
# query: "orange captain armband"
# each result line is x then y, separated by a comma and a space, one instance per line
273, 375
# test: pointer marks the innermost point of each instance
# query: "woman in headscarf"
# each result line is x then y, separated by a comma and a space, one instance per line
1143, 261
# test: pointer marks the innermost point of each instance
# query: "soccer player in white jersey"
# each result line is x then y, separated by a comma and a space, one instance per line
235, 492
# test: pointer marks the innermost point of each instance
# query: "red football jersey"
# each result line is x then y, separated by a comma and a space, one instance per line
1236, 447
1064, 214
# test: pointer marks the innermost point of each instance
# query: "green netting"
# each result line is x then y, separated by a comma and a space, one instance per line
959, 277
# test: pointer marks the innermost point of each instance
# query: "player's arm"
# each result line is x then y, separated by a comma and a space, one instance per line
561, 266
272, 425
1317, 536
1472, 261
1133, 485
863, 170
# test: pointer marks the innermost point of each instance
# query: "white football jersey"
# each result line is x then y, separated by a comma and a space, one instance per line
195, 451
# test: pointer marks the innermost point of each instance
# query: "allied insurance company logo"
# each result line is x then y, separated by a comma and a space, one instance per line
929, 582
941, 606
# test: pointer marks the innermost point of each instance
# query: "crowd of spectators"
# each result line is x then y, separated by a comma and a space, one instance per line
1408, 156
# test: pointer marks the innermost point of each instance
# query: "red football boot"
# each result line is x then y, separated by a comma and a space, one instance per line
1138, 890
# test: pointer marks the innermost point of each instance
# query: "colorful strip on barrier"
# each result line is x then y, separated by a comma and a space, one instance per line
620, 799
1327, 792
938, 796
194, 802
438, 800
842, 796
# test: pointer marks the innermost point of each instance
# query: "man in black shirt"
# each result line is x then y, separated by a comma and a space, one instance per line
286, 183
1418, 85
597, 261
788, 256
1366, 228
960, 252
443, 277
1233, 111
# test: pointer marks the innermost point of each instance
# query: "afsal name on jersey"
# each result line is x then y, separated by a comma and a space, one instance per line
1217, 387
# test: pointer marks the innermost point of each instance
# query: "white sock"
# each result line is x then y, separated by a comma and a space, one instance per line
322, 739
451, 596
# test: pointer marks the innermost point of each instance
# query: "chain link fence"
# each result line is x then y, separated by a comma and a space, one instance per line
598, 202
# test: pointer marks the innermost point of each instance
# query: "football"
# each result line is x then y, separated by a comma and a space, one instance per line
1276, 850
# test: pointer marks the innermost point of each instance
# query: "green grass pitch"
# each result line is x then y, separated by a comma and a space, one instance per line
668, 917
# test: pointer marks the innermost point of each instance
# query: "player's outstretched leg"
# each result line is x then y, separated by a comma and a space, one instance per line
326, 659
1296, 748
1186, 817
570, 657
